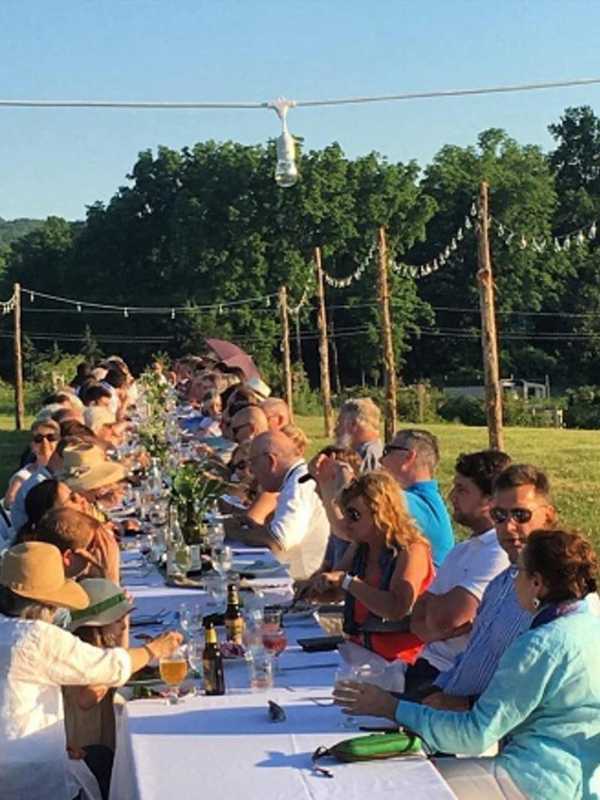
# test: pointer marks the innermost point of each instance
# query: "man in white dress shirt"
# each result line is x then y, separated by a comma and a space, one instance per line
298, 532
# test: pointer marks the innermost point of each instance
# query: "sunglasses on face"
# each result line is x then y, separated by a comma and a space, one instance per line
519, 515
39, 437
389, 448
352, 513
239, 465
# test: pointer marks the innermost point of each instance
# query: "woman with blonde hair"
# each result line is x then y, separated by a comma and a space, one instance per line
387, 566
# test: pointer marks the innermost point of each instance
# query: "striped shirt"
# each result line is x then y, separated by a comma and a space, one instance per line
500, 619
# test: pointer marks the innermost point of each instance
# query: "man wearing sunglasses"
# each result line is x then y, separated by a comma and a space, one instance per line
412, 458
248, 423
299, 530
521, 504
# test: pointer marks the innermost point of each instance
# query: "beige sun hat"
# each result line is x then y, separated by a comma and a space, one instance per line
35, 570
259, 387
85, 467
97, 416
108, 603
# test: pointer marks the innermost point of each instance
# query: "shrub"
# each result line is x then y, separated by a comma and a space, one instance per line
463, 409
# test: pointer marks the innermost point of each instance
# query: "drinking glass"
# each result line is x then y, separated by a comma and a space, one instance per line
222, 558
260, 667
191, 620
273, 635
195, 650
216, 587
183, 557
173, 670
344, 673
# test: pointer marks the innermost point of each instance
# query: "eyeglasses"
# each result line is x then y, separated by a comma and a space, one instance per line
237, 428
352, 513
239, 465
389, 448
519, 515
39, 437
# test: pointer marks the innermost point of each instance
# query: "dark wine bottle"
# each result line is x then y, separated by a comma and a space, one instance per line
212, 662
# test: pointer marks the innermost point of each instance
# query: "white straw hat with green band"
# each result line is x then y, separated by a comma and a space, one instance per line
108, 603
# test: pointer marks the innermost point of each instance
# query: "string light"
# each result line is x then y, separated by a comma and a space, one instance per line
286, 171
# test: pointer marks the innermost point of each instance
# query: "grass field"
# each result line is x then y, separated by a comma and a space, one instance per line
571, 458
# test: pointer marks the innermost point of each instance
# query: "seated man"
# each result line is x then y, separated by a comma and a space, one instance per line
412, 457
521, 504
248, 423
299, 531
357, 427
75, 535
277, 413
443, 615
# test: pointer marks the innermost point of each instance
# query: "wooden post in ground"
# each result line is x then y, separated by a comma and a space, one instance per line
489, 338
389, 362
323, 345
285, 349
18, 361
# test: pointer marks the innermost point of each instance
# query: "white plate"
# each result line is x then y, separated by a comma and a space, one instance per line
257, 568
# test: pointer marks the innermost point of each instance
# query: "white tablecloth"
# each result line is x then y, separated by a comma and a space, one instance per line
226, 747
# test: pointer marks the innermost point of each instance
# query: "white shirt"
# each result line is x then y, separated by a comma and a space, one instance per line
36, 659
471, 564
300, 524
18, 514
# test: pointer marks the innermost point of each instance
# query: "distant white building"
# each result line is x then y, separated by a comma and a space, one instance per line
527, 390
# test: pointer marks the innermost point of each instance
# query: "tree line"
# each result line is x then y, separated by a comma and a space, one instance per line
207, 225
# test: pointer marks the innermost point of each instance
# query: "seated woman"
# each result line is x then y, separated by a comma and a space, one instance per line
543, 703
89, 710
44, 497
44, 438
387, 566
36, 659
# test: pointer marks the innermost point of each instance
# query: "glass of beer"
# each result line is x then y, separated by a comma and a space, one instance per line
173, 671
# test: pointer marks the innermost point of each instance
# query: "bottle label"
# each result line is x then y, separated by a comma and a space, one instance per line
235, 629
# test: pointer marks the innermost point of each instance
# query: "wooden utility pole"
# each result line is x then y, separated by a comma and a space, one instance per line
489, 339
18, 361
285, 349
323, 346
389, 362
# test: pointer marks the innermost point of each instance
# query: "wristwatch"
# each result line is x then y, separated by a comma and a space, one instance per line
346, 581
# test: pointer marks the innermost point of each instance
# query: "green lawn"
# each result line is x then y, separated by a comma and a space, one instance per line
571, 458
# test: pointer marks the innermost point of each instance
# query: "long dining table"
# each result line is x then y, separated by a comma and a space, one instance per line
228, 747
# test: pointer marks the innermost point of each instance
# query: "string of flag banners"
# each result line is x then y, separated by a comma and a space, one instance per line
126, 311
442, 258
343, 283
576, 238
8, 306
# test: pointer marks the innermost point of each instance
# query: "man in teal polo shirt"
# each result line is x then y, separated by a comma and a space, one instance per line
412, 458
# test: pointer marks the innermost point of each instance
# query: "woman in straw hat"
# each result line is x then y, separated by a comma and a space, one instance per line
36, 659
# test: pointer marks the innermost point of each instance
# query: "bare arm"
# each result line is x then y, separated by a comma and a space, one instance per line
442, 616
262, 507
396, 602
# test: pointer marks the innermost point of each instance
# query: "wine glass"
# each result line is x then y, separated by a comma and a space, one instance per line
273, 635
195, 651
222, 558
173, 670
344, 673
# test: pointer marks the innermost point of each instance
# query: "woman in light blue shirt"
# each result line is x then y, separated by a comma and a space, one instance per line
543, 702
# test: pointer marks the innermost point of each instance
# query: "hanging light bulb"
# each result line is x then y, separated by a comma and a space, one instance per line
286, 171
79, 307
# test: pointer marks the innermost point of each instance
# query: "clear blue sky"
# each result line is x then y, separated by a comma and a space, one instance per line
57, 161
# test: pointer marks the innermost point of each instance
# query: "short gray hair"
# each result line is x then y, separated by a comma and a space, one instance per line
424, 444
